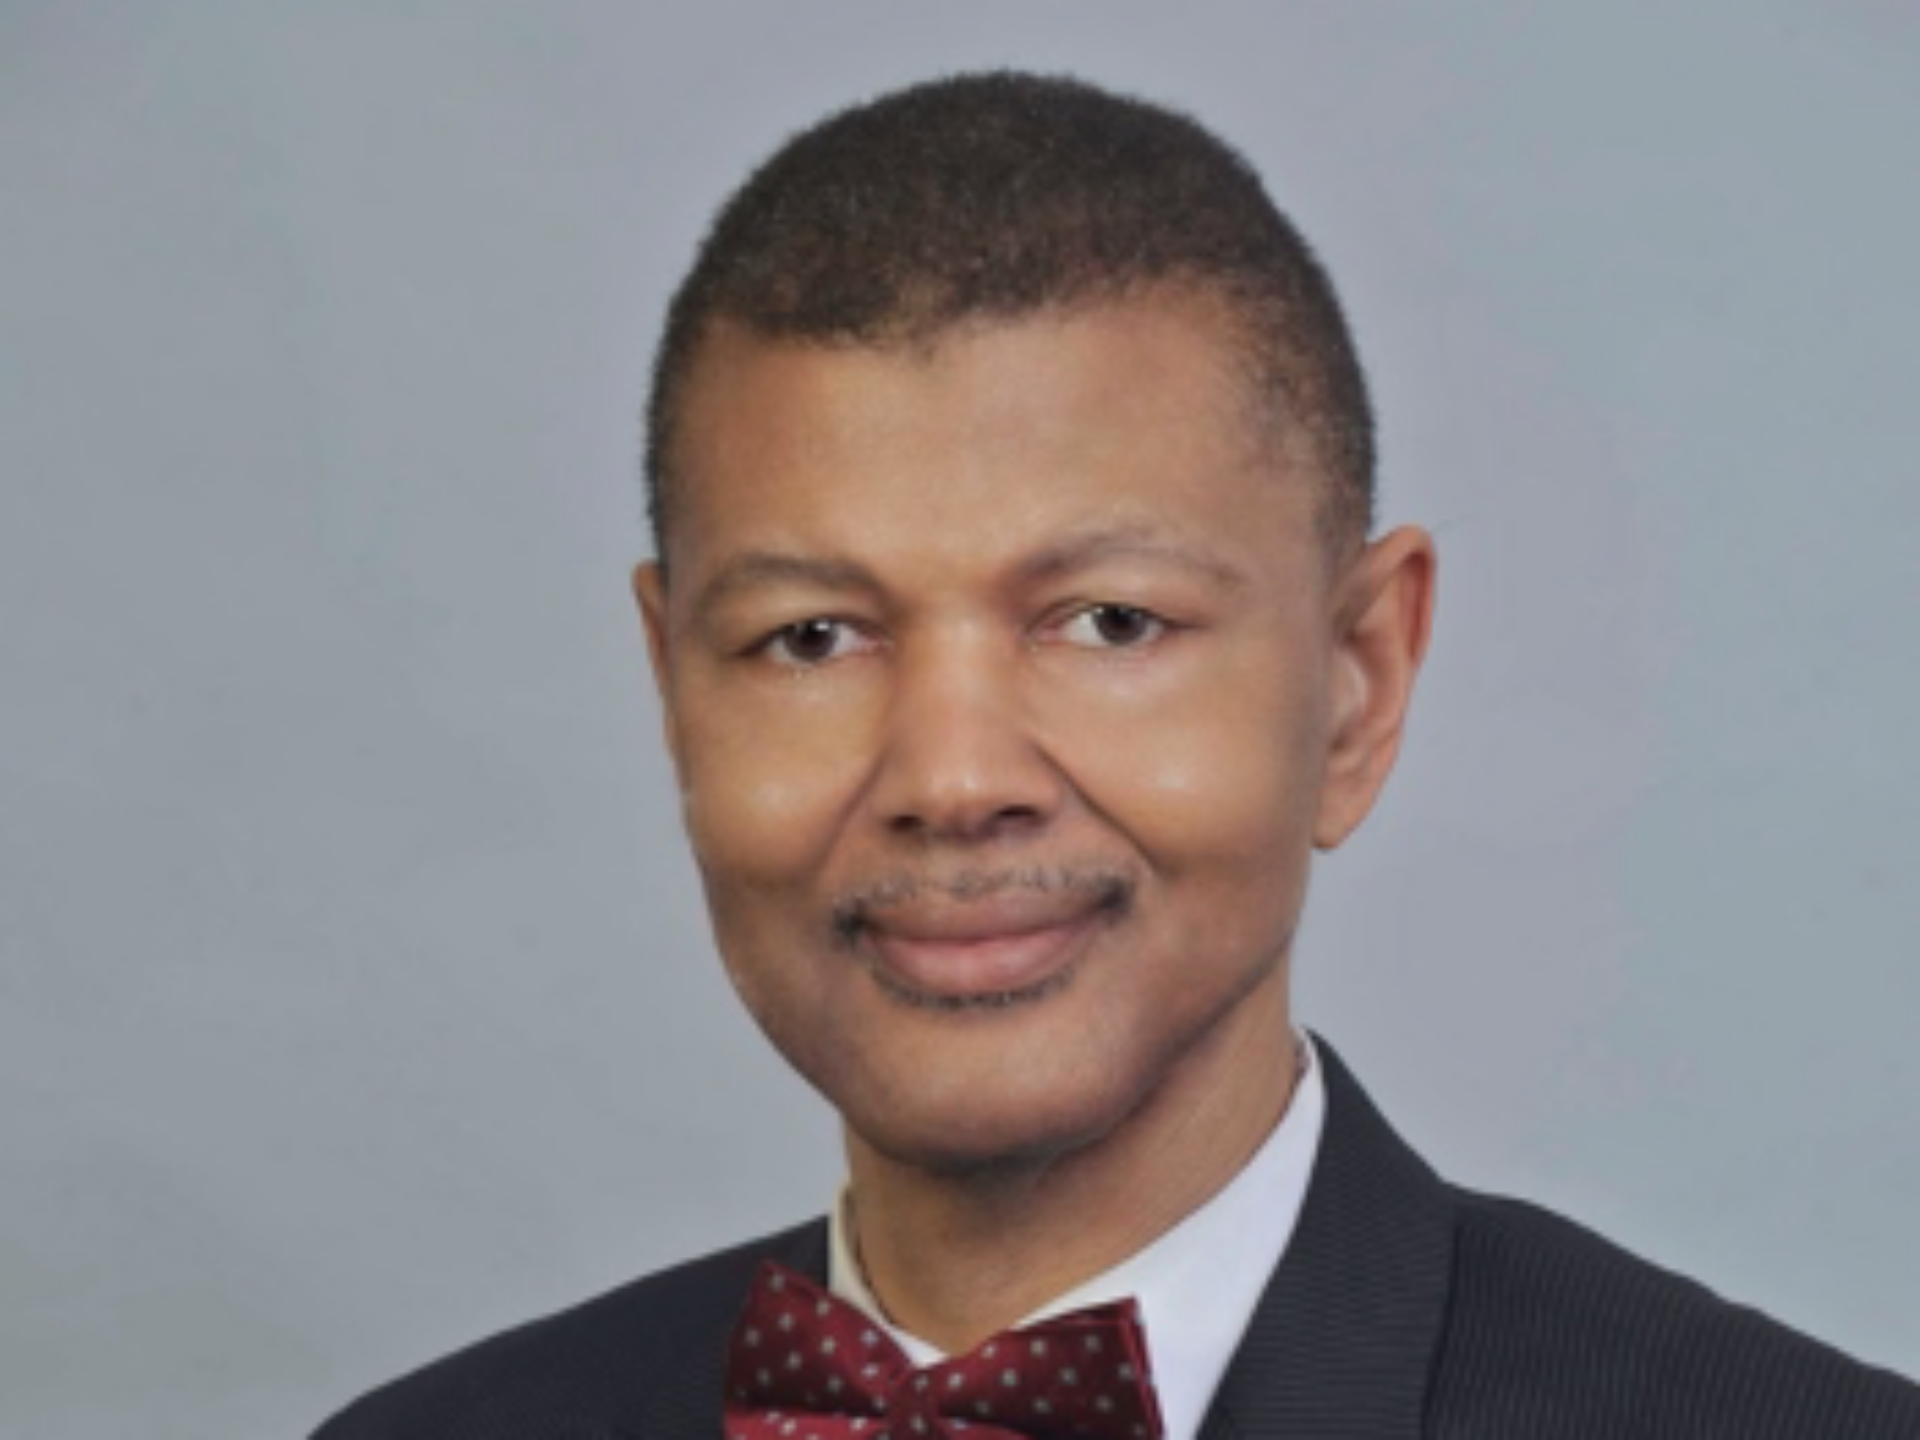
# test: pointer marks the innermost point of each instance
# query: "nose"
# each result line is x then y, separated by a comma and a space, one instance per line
960, 760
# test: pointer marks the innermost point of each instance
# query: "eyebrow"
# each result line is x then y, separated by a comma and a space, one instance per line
756, 568
1125, 540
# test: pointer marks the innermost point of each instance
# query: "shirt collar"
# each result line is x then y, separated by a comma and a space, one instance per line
1197, 1285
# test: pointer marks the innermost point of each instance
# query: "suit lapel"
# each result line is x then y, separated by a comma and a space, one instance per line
686, 1404
1344, 1337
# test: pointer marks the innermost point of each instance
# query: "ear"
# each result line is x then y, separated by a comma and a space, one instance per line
650, 591
1383, 615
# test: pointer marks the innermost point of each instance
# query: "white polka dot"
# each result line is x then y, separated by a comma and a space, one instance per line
955, 1380
1093, 1344
1104, 1404
1039, 1347
1009, 1378
1069, 1376
826, 1346
793, 1360
752, 1337
869, 1338
1125, 1372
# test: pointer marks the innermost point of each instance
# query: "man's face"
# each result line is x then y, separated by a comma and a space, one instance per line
1005, 682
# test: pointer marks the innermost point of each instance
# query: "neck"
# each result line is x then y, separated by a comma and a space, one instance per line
954, 1259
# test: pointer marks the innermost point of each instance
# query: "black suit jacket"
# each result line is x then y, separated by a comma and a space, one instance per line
1404, 1307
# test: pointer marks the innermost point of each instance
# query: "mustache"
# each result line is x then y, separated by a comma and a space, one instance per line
1110, 887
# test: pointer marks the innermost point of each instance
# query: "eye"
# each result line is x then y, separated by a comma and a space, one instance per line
1113, 627
813, 641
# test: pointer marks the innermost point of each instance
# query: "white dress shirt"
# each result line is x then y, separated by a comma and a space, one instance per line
1197, 1285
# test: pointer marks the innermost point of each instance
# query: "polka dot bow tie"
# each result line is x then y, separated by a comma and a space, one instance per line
807, 1366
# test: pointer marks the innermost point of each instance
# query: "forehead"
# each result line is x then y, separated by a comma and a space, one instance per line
994, 430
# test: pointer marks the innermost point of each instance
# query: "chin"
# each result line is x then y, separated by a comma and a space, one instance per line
960, 1137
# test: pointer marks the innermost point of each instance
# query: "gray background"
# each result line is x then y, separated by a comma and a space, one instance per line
354, 995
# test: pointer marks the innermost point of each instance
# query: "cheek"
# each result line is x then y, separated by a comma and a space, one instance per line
761, 824
762, 794
1221, 780
748, 822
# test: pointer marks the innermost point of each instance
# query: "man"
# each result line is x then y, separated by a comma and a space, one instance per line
1020, 636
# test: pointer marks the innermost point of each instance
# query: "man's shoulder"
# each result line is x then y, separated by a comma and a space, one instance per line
585, 1373
1545, 1313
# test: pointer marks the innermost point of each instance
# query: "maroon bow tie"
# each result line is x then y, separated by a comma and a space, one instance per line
807, 1366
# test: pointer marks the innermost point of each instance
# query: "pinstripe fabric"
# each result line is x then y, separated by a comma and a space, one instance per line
1407, 1307
1404, 1308
1343, 1338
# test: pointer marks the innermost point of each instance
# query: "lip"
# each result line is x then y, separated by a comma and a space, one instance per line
979, 953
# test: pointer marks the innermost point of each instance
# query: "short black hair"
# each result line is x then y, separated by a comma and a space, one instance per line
999, 195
